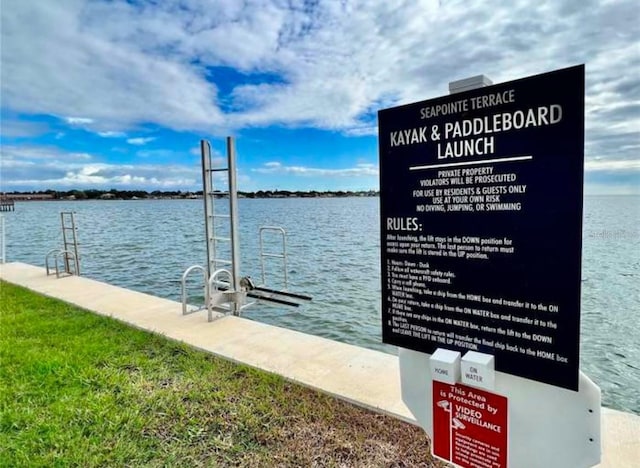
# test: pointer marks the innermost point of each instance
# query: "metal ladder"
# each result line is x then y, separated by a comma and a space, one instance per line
70, 240
221, 228
69, 251
225, 291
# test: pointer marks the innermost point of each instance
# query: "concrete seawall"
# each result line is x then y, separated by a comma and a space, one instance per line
364, 377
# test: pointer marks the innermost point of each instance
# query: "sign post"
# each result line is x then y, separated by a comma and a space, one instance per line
481, 208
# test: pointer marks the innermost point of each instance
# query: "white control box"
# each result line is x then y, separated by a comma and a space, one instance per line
445, 366
478, 370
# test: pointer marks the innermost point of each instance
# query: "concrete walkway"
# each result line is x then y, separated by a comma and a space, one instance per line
364, 377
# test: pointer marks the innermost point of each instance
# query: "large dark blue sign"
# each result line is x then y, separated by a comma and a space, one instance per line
481, 208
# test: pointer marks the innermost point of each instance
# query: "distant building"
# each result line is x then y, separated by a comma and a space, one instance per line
26, 196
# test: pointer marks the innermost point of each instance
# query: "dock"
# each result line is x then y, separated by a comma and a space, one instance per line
7, 205
367, 378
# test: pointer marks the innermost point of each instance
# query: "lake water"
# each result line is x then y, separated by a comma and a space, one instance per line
333, 246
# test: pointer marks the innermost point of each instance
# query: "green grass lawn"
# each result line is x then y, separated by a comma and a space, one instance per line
77, 389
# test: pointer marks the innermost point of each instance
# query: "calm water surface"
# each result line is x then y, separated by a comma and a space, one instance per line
333, 247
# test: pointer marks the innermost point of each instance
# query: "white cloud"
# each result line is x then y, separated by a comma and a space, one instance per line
613, 165
140, 140
118, 65
360, 170
111, 134
130, 63
78, 120
39, 154
55, 61
42, 168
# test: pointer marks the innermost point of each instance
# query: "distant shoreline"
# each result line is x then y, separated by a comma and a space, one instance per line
117, 195
81, 195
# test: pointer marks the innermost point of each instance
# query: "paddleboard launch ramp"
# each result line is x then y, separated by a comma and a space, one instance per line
225, 291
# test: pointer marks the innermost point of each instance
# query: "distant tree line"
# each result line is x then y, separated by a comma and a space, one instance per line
308, 194
115, 194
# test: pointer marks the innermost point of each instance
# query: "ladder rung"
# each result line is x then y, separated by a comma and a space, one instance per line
272, 255
226, 239
223, 262
218, 169
219, 216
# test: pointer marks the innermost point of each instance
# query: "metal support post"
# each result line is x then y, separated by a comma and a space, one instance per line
207, 189
3, 241
233, 211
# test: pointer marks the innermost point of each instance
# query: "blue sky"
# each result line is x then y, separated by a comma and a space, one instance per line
117, 94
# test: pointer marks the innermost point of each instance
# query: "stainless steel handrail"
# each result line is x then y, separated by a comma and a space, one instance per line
46, 259
212, 286
183, 292
282, 254
66, 253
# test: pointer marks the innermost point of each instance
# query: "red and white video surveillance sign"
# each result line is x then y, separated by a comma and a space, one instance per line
469, 426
